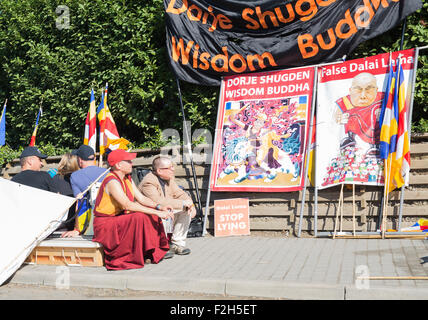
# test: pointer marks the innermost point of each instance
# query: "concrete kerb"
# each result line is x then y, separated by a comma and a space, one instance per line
78, 277
95, 277
170, 284
284, 290
133, 280
385, 293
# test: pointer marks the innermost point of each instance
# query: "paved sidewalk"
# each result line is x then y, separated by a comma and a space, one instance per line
288, 268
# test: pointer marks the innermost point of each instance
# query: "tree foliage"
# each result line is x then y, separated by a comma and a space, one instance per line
119, 42
122, 43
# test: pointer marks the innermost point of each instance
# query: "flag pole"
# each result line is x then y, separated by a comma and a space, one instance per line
100, 164
409, 126
314, 169
337, 211
189, 150
400, 210
4, 105
308, 143
385, 166
353, 209
402, 33
386, 196
39, 113
217, 135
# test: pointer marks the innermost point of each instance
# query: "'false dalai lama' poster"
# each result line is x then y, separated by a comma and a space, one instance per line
349, 100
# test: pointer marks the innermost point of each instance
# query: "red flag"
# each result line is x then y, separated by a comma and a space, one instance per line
33, 136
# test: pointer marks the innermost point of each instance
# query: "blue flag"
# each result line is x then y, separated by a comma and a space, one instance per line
3, 126
84, 213
388, 118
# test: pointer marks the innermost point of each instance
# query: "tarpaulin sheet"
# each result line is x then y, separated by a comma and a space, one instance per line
28, 215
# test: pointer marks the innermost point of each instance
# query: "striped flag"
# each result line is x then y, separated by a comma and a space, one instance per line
400, 166
389, 125
109, 136
3, 126
90, 137
84, 213
33, 136
388, 119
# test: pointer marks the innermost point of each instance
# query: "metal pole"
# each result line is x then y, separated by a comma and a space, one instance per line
207, 207
189, 149
207, 203
314, 170
402, 187
409, 126
315, 204
402, 34
307, 151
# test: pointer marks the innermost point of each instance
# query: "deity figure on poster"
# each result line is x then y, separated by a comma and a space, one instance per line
358, 112
261, 139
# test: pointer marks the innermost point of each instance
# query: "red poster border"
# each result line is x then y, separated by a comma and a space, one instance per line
218, 138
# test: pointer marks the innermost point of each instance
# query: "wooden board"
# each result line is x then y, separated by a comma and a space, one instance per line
68, 251
63, 256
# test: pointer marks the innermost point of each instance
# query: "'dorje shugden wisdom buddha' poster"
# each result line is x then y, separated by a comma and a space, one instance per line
262, 129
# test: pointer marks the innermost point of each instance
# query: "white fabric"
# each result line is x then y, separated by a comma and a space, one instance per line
180, 228
28, 215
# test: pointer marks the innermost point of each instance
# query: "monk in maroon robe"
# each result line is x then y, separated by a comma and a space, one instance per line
127, 223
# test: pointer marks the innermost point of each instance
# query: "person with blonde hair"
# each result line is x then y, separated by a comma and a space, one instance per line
67, 165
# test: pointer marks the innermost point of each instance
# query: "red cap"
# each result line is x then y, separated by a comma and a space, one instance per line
119, 155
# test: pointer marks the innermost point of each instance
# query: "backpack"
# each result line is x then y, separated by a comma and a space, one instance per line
138, 174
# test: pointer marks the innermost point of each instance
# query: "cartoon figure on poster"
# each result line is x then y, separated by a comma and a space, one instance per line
261, 141
357, 115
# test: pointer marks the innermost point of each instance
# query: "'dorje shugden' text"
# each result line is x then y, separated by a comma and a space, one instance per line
188, 52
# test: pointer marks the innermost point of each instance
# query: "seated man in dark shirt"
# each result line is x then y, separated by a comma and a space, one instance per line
30, 175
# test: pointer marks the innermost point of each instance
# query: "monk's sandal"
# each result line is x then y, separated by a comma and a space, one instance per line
179, 250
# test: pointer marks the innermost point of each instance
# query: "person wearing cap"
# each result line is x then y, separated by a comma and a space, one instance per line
31, 174
81, 179
160, 186
89, 171
127, 223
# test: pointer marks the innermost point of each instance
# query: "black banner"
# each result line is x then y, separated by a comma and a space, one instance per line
208, 39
